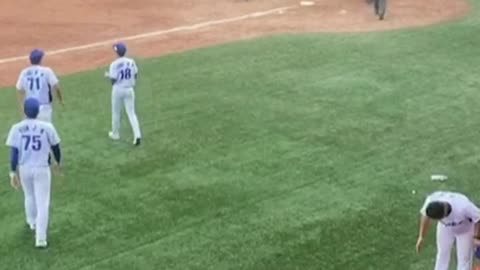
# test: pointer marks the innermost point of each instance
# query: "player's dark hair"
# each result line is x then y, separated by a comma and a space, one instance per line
437, 210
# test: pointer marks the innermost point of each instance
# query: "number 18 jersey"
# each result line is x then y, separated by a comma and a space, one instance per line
37, 82
123, 71
33, 139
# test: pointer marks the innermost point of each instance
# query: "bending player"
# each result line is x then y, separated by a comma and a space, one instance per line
457, 220
31, 141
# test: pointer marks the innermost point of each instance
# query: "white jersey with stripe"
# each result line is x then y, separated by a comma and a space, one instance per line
33, 139
37, 82
124, 71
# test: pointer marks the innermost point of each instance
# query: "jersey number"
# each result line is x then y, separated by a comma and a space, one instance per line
34, 81
125, 74
32, 141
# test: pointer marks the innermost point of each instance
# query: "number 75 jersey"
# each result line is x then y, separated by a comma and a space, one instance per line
124, 72
33, 139
37, 82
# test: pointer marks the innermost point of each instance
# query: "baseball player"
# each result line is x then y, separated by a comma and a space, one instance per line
457, 221
380, 6
38, 81
123, 74
31, 141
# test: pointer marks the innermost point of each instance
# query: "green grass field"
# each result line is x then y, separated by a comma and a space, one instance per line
290, 152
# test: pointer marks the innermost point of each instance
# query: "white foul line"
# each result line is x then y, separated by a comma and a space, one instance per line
156, 33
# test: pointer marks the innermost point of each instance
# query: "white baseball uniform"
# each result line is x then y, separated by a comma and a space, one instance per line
124, 71
37, 82
34, 139
458, 225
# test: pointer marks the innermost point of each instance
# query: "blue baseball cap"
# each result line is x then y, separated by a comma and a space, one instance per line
36, 56
31, 108
120, 48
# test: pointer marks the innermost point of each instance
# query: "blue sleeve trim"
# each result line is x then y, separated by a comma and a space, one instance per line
113, 81
14, 159
57, 153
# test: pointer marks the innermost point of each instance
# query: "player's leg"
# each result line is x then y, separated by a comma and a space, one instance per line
445, 239
42, 186
382, 8
465, 250
45, 113
116, 113
26, 179
129, 102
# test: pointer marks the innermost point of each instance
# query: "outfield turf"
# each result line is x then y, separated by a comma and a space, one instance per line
292, 152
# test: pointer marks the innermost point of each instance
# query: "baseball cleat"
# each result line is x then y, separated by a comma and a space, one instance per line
136, 142
113, 136
41, 244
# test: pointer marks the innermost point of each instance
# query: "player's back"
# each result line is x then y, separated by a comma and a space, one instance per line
34, 139
124, 71
37, 82
447, 196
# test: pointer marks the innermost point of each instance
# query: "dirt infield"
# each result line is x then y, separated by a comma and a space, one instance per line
166, 26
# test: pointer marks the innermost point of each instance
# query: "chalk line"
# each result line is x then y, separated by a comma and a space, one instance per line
156, 33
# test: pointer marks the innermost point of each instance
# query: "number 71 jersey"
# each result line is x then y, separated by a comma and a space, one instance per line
33, 139
124, 72
37, 82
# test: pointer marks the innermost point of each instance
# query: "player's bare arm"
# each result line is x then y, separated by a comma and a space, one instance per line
59, 93
423, 230
57, 154
473, 213
21, 98
477, 234
112, 80
14, 182
14, 156
109, 75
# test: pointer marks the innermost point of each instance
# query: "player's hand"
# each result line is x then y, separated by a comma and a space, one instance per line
57, 168
14, 181
419, 244
106, 74
476, 242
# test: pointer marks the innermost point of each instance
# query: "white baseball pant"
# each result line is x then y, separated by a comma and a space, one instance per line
36, 183
445, 239
127, 97
45, 113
